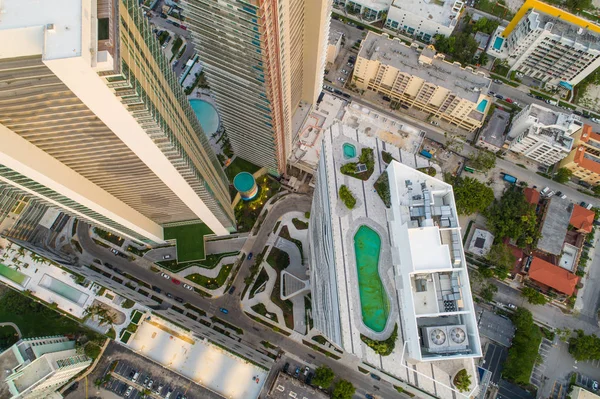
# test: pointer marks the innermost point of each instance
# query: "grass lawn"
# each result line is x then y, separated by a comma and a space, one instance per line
286, 306
299, 224
135, 319
212, 283
278, 259
35, 319
240, 165
190, 240
262, 277
8, 337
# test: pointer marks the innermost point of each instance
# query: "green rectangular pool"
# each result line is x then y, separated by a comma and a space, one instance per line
374, 301
12, 274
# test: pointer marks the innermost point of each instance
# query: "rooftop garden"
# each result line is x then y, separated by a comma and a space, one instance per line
347, 197
367, 159
110, 237
382, 186
190, 240
383, 348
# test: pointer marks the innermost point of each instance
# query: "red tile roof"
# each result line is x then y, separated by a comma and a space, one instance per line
532, 195
582, 219
553, 276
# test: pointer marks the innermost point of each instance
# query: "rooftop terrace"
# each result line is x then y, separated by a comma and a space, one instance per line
441, 12
464, 82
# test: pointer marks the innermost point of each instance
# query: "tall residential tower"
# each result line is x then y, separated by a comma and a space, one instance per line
263, 58
93, 122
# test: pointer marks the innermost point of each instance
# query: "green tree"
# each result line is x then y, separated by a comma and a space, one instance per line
596, 190
533, 296
483, 161
323, 377
502, 258
585, 347
471, 195
487, 293
347, 197
524, 350
383, 348
460, 47
483, 59
563, 175
343, 390
485, 25
462, 381
512, 216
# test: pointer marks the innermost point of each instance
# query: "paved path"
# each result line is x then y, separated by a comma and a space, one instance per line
13, 325
210, 273
221, 246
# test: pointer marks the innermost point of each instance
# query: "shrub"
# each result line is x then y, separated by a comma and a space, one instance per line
383, 348
462, 380
382, 186
347, 197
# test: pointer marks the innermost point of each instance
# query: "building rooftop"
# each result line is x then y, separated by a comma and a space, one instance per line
566, 30
553, 276
582, 218
429, 66
482, 40
435, 295
441, 12
286, 387
581, 393
481, 242
532, 195
555, 225
334, 35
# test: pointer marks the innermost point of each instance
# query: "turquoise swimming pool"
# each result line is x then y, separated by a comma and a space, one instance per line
498, 43
245, 184
373, 298
207, 116
349, 150
482, 105
66, 291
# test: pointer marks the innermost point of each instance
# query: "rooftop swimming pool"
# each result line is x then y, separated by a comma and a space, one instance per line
498, 43
373, 298
64, 290
207, 116
349, 150
482, 105
12, 274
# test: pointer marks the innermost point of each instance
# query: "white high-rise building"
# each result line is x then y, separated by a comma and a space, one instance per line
93, 122
37, 367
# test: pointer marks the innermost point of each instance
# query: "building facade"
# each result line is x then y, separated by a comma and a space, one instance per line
368, 10
423, 80
542, 134
548, 44
263, 58
584, 159
96, 125
37, 367
424, 19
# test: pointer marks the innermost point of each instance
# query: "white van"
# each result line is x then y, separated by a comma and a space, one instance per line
135, 376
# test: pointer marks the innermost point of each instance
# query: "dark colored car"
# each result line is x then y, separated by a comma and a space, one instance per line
223, 310
232, 290
375, 377
250, 256
309, 378
297, 372
156, 289
169, 295
539, 97
386, 98
286, 367
178, 299
579, 113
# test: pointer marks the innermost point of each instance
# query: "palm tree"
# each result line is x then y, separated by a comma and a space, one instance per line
103, 315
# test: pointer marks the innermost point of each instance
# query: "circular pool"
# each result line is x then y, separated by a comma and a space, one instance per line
245, 184
207, 115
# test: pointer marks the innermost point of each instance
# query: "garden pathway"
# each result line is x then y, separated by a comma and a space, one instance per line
13, 325
265, 298
210, 273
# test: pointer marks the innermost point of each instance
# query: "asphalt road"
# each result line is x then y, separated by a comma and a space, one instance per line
162, 23
254, 332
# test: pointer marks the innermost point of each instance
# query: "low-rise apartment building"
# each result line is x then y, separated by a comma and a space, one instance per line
542, 134
369, 10
334, 45
424, 19
584, 159
549, 44
423, 80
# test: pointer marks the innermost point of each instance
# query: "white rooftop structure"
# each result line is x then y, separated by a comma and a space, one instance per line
481, 242
437, 306
424, 18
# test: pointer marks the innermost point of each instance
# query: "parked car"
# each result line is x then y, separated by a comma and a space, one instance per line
297, 372
129, 391
165, 275
183, 27
499, 96
250, 256
286, 367
223, 310
306, 370
169, 393
114, 251
167, 257
511, 306
434, 123
539, 97
149, 384
508, 100
386, 98
595, 385
578, 113
188, 287
309, 378
232, 289
369, 396
169, 295
135, 376
491, 93
498, 81
175, 281
180, 300
595, 120
375, 377
156, 289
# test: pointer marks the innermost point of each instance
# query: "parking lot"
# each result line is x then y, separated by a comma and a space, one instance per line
119, 366
538, 370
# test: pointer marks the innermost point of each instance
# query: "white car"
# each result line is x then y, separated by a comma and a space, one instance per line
128, 392
188, 287
165, 275
595, 120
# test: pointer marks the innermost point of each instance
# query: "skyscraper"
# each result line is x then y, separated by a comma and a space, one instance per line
93, 122
262, 58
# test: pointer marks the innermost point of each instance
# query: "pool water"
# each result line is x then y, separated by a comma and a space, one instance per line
64, 290
498, 43
349, 150
12, 274
245, 184
207, 116
482, 105
373, 298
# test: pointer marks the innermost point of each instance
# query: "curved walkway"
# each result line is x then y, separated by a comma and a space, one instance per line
13, 325
210, 273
